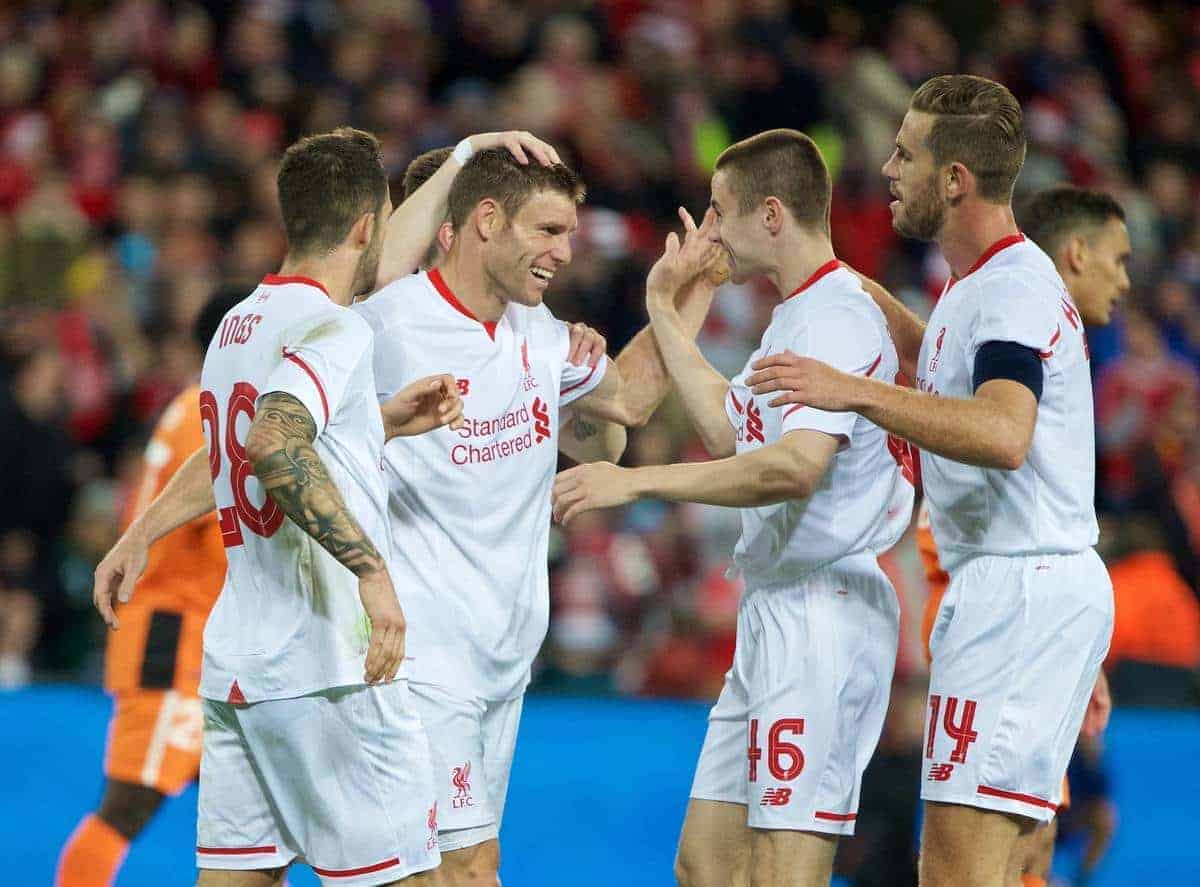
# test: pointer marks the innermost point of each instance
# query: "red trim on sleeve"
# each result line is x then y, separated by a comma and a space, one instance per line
582, 381
835, 817
875, 365
350, 873
1002, 243
1049, 352
737, 404
828, 267
298, 361
439, 284
235, 851
793, 409
1016, 796
281, 279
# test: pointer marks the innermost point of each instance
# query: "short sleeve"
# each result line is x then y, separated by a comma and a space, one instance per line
573, 381
1012, 310
317, 360
847, 339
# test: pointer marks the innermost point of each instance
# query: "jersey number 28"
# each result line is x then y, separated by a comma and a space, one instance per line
262, 521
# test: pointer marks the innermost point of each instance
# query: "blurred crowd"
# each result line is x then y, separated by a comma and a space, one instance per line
138, 146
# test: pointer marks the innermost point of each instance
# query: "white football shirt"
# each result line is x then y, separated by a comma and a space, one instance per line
471, 508
1013, 294
864, 502
289, 621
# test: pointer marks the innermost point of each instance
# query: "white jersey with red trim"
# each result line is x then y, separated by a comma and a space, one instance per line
471, 508
864, 502
289, 621
1013, 294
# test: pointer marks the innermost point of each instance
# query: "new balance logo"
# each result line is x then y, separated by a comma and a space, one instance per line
775, 797
940, 772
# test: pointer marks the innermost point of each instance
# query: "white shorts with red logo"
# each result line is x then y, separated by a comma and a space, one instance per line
804, 704
473, 742
1016, 646
341, 779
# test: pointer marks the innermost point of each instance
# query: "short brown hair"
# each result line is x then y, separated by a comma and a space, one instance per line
422, 167
1054, 214
326, 182
978, 125
495, 173
781, 163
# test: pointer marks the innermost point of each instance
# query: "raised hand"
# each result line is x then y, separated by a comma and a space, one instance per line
386, 649
683, 262
520, 145
591, 486
587, 345
422, 406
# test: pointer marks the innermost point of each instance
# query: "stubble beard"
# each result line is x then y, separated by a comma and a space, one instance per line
921, 216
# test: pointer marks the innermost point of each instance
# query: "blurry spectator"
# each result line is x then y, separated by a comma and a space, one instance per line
1132, 397
1155, 648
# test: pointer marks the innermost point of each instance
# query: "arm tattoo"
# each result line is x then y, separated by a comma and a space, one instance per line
584, 429
293, 475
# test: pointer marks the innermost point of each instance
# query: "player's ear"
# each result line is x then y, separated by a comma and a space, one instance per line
361, 231
445, 236
489, 218
772, 215
958, 181
1075, 253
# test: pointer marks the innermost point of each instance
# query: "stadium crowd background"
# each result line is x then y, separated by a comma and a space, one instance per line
138, 148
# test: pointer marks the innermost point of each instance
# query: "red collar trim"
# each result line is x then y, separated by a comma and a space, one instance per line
988, 254
439, 284
278, 279
828, 267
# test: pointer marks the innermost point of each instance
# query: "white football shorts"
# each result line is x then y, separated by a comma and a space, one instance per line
1017, 645
341, 779
804, 704
473, 742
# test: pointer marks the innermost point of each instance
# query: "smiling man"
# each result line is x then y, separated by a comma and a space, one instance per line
1003, 417
470, 508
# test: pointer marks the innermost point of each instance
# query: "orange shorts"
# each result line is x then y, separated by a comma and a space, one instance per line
152, 669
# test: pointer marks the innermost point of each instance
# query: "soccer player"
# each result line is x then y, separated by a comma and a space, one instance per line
471, 507
1003, 417
821, 496
302, 648
152, 667
580, 439
1084, 233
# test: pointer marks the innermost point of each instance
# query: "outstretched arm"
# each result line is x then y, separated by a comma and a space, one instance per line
414, 223
187, 496
791, 468
586, 438
993, 428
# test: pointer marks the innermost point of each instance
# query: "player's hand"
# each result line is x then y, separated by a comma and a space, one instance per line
1095, 719
422, 406
803, 380
587, 345
117, 574
520, 144
386, 649
591, 486
683, 262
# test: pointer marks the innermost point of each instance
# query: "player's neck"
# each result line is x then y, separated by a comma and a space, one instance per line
798, 260
469, 282
335, 277
967, 233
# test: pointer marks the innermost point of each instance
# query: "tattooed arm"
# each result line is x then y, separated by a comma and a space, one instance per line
587, 439
280, 448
